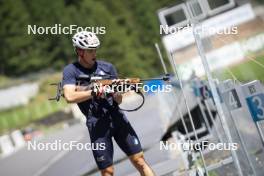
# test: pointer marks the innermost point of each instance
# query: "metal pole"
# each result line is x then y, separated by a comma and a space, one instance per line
184, 124
216, 81
218, 117
213, 121
178, 110
204, 115
216, 98
260, 132
198, 99
189, 113
161, 58
243, 144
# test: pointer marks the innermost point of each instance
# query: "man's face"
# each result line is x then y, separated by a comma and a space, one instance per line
88, 56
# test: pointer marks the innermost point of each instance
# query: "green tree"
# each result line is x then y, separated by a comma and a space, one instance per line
132, 28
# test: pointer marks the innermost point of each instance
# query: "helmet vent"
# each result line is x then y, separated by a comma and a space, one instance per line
81, 43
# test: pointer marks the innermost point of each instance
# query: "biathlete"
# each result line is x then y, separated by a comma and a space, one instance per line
104, 118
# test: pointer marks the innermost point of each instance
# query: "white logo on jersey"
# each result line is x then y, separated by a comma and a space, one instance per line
101, 72
136, 141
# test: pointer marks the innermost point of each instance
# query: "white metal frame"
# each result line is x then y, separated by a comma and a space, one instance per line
202, 6
163, 12
220, 9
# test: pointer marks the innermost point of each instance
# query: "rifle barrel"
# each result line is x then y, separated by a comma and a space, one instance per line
156, 79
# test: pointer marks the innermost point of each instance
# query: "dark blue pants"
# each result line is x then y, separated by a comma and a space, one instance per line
106, 126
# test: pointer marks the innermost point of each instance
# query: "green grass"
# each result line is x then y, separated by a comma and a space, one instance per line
212, 173
4, 80
39, 107
243, 72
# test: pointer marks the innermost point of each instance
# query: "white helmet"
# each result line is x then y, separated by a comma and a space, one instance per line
85, 40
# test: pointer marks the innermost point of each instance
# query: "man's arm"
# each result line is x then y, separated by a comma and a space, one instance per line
72, 93
73, 96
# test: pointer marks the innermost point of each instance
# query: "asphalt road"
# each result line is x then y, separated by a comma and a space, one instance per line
69, 163
150, 124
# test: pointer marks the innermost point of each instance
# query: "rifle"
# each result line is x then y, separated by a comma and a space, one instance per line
91, 81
